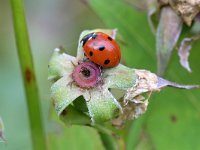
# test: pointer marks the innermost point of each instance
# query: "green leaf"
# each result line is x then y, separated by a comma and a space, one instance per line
109, 142
149, 6
110, 139
75, 138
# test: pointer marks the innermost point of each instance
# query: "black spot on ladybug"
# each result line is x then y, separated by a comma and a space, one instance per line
86, 38
107, 61
84, 54
94, 36
101, 48
109, 38
91, 53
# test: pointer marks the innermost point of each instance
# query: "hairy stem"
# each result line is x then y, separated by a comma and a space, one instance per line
28, 74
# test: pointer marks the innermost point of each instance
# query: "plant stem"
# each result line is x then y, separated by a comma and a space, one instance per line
29, 79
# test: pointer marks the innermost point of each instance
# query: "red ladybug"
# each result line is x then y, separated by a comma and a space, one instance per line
101, 49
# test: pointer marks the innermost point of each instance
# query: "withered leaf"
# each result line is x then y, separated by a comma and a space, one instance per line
168, 32
187, 9
184, 51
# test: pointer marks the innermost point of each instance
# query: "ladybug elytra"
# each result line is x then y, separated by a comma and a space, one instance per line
101, 49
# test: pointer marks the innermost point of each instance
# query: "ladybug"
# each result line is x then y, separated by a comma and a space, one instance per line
101, 49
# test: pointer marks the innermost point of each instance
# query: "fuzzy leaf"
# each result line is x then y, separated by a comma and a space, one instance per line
60, 64
120, 77
64, 93
168, 32
102, 105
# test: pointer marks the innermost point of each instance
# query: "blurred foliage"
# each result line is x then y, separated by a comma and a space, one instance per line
75, 138
173, 117
47, 31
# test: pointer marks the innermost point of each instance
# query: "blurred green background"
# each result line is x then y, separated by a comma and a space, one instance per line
173, 117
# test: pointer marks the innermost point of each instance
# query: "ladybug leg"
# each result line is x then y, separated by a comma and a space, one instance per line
85, 58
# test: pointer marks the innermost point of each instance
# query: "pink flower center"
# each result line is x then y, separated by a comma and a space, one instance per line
86, 74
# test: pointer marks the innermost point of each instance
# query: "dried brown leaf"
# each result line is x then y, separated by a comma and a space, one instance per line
135, 101
187, 9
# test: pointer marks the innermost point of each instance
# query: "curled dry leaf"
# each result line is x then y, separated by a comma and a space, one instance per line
184, 51
135, 101
187, 9
197, 18
161, 83
168, 32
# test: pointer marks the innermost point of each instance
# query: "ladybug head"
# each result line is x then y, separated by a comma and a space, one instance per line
92, 35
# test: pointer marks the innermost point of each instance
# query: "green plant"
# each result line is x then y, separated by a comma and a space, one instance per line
28, 74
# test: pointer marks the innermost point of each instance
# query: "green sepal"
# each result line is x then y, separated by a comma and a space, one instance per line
120, 77
60, 64
102, 105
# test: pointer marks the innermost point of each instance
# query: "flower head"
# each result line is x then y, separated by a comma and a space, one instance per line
76, 77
